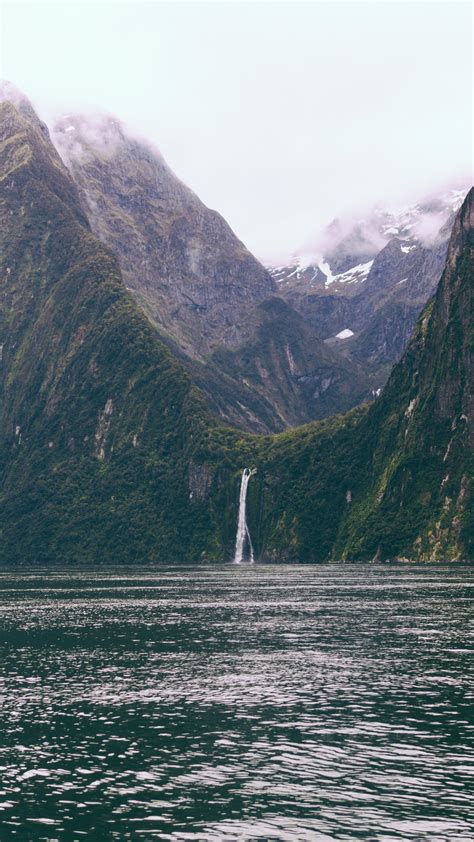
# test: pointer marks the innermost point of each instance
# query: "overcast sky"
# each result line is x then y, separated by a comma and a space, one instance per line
279, 115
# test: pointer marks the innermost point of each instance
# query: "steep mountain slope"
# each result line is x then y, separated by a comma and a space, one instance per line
417, 498
96, 414
373, 281
286, 363
395, 480
284, 375
201, 287
109, 453
183, 263
384, 315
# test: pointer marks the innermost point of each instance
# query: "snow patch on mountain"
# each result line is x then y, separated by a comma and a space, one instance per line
356, 275
326, 270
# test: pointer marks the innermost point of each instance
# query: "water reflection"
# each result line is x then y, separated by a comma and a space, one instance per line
237, 703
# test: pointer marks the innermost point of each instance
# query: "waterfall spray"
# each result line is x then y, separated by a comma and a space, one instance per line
242, 528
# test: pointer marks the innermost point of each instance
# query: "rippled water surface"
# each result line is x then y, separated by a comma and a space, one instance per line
311, 703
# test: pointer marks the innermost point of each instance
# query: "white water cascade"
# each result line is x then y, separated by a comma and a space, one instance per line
242, 528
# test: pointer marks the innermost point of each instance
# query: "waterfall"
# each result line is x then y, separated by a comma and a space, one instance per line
242, 528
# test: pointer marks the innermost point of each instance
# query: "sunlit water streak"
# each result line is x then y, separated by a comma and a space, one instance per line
237, 702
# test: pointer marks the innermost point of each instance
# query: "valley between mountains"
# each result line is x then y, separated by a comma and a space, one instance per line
147, 357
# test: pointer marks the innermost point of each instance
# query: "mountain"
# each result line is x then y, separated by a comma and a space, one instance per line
96, 413
109, 452
201, 288
417, 499
190, 273
341, 255
365, 293
288, 365
393, 479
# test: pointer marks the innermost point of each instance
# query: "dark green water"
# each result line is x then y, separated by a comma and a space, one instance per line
294, 703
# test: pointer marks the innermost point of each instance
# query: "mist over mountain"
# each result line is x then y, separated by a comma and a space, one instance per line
195, 278
200, 286
109, 451
203, 290
367, 279
349, 236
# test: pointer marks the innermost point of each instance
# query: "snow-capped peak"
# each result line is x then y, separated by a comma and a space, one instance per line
356, 275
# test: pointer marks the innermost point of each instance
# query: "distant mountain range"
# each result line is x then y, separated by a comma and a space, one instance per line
368, 279
121, 430
343, 252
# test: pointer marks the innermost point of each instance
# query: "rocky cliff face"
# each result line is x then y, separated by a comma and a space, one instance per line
181, 261
288, 365
394, 480
417, 496
398, 286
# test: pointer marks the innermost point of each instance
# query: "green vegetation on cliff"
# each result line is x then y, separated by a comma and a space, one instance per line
97, 415
110, 453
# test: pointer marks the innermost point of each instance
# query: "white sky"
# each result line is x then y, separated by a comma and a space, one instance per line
279, 115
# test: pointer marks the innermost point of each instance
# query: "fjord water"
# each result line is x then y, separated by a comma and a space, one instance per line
237, 702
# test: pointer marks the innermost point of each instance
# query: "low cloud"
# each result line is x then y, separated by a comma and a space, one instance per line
78, 136
428, 226
365, 234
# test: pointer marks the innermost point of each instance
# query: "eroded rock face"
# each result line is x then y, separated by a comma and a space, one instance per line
285, 361
200, 480
180, 259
